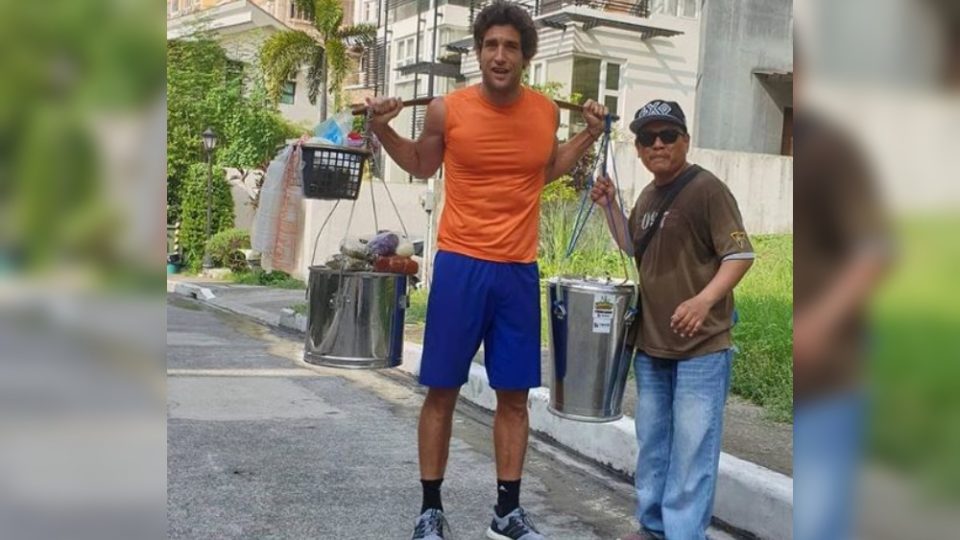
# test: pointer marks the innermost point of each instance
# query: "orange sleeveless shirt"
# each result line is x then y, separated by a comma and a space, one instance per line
495, 169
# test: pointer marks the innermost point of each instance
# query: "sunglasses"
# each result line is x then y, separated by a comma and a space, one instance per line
668, 136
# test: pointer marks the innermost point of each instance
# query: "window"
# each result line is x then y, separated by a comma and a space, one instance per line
586, 76
447, 36
297, 14
586, 83
786, 141
369, 11
406, 51
688, 8
404, 9
596, 79
678, 8
611, 86
288, 92
538, 73
613, 77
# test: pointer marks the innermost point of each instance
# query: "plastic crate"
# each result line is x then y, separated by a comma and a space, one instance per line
332, 172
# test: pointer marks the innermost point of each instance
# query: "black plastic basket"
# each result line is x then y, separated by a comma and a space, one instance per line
332, 172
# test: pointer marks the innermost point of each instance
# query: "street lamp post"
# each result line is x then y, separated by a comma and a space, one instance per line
209, 143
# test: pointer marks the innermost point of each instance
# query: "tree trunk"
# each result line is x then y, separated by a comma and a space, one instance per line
323, 88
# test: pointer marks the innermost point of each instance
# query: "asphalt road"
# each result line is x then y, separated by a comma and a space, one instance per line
261, 445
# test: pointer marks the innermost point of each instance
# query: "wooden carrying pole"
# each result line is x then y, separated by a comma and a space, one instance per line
360, 109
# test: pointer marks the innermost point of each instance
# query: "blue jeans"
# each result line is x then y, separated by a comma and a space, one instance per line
679, 424
827, 437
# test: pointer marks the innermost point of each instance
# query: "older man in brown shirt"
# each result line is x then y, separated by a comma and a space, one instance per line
687, 236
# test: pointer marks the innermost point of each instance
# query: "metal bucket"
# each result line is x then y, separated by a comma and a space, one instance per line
355, 319
588, 328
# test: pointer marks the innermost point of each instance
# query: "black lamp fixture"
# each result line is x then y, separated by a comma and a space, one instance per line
209, 140
209, 144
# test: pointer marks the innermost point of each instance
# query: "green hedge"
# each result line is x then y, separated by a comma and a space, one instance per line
194, 200
224, 249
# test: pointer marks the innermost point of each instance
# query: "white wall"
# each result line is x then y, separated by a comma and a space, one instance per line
406, 196
761, 183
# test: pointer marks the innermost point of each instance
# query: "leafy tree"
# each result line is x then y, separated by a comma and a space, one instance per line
193, 228
283, 54
202, 92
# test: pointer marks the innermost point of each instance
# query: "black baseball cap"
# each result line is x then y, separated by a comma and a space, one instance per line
666, 111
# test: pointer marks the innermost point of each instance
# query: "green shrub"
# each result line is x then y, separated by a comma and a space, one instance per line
276, 278
224, 249
194, 212
417, 312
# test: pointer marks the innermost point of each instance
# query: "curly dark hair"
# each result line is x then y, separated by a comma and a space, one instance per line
502, 12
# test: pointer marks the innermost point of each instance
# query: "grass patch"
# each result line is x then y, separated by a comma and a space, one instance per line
915, 357
763, 369
416, 315
299, 309
417, 312
280, 280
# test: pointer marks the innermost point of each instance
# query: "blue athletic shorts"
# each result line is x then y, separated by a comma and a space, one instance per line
472, 300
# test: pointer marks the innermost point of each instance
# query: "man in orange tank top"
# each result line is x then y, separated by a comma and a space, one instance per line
497, 143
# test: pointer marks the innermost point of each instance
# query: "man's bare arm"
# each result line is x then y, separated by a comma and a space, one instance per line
422, 157
688, 318
566, 155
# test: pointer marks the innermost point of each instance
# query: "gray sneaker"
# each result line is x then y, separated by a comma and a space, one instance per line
516, 525
430, 525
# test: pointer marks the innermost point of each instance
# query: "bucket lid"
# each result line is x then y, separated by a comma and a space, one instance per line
604, 284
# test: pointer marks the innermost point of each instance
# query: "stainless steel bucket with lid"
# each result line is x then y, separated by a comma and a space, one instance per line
355, 319
588, 327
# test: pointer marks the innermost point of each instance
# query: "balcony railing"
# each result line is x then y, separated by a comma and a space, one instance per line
639, 8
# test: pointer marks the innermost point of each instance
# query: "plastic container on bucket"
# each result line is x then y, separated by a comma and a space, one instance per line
332, 172
588, 327
355, 319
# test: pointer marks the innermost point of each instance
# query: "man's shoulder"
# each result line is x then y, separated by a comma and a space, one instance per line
704, 180
458, 95
539, 96
705, 177
708, 183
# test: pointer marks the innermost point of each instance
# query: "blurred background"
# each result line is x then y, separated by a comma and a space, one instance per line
82, 249
876, 312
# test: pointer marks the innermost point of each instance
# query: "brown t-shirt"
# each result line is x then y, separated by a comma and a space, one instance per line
838, 214
700, 229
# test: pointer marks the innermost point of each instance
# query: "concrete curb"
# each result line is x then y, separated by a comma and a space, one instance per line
192, 291
749, 497
292, 320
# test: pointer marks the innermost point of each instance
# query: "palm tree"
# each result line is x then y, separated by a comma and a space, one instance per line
283, 54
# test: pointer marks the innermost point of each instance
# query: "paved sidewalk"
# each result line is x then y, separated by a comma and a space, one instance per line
751, 497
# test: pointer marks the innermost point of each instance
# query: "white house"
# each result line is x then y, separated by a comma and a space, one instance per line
241, 27
619, 52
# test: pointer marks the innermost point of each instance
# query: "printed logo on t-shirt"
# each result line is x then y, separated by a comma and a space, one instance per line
740, 238
650, 218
